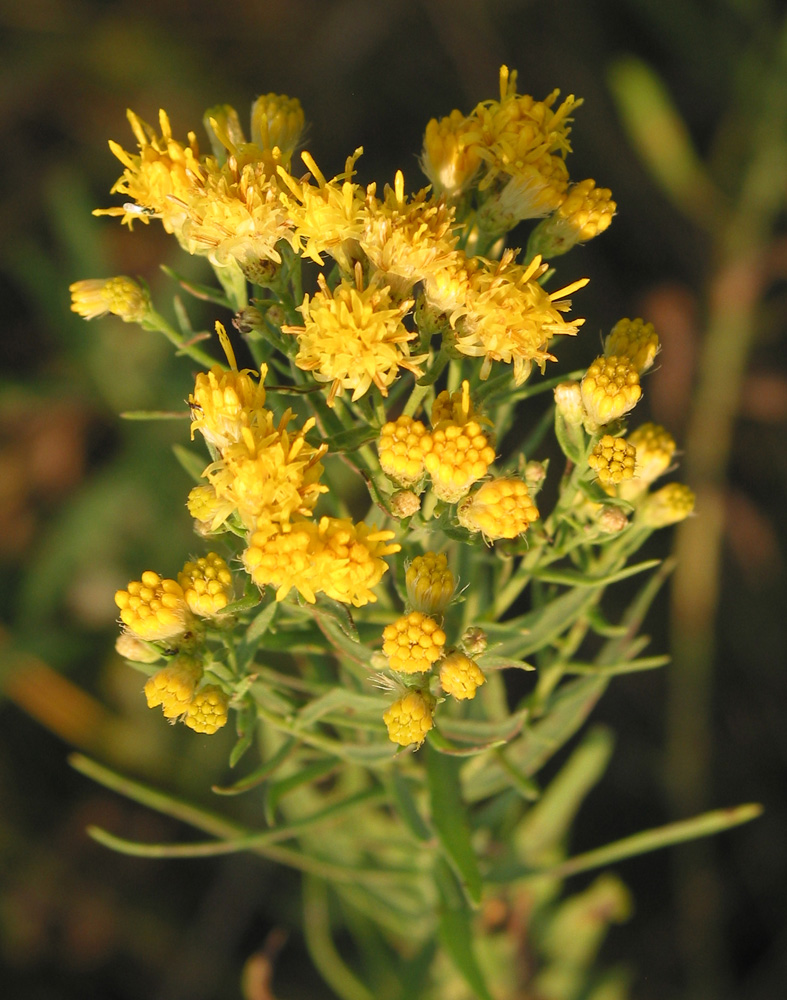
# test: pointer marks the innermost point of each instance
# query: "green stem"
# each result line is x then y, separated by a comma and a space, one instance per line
155, 321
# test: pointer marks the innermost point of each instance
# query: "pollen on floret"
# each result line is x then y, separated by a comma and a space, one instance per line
153, 608
501, 508
413, 642
669, 505
460, 676
173, 687
613, 460
121, 296
609, 388
207, 584
635, 340
410, 718
400, 450
430, 583
457, 455
208, 710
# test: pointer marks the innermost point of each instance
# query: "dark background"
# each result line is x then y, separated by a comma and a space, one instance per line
87, 501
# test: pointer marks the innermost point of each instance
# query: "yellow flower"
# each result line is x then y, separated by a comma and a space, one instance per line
208, 509
413, 642
173, 687
610, 388
400, 450
501, 508
460, 676
207, 712
672, 503
613, 460
121, 296
636, 341
277, 123
153, 609
207, 584
430, 583
348, 561
447, 160
269, 472
655, 448
457, 455
509, 317
160, 180
335, 557
585, 212
353, 337
410, 718
327, 217
136, 650
224, 402
406, 239
535, 189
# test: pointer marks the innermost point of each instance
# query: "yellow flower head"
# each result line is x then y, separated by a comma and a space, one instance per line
672, 503
121, 296
610, 388
509, 317
655, 448
235, 214
207, 712
410, 718
517, 130
457, 455
160, 179
327, 217
281, 556
460, 676
208, 509
534, 190
335, 557
353, 337
635, 340
207, 584
613, 460
447, 160
585, 212
269, 472
153, 609
413, 642
501, 508
277, 122
407, 239
430, 583
174, 686
348, 559
400, 450
224, 402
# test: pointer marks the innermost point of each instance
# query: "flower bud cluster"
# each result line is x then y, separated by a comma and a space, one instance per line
175, 689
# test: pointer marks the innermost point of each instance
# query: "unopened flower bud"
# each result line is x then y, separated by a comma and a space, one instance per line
672, 503
405, 503
474, 641
410, 718
611, 519
635, 340
131, 648
430, 583
568, 400
610, 388
121, 296
460, 676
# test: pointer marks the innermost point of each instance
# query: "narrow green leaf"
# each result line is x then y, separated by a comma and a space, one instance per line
155, 415
453, 749
576, 578
626, 667
484, 730
343, 702
338, 613
260, 624
571, 439
491, 661
352, 440
449, 818
247, 718
456, 931
569, 708
276, 791
400, 792
261, 773
543, 625
704, 825
205, 292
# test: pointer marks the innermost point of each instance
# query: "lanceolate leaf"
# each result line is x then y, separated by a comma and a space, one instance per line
456, 931
449, 818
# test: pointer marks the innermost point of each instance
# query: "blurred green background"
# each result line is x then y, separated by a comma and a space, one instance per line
685, 118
